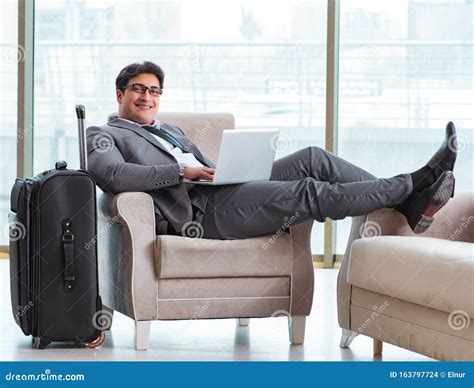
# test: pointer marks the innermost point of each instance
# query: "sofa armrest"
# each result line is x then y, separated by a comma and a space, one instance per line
302, 286
126, 241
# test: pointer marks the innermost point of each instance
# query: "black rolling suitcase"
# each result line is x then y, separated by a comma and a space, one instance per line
53, 255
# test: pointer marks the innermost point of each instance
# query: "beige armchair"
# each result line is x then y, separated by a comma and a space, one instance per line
149, 277
413, 291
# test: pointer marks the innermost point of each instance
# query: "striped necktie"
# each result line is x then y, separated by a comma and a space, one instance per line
172, 140
164, 135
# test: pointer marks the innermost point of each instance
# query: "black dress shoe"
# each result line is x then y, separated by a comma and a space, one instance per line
421, 206
445, 157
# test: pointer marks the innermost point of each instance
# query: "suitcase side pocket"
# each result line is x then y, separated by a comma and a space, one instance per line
19, 260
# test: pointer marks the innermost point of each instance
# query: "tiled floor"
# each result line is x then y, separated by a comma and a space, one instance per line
205, 340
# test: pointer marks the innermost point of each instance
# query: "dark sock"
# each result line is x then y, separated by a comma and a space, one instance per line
423, 177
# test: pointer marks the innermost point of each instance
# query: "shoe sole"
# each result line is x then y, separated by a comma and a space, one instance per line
440, 198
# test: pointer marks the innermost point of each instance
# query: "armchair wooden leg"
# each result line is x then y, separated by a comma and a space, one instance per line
378, 345
243, 321
347, 337
296, 328
107, 317
142, 334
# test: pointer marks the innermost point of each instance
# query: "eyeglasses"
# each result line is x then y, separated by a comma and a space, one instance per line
154, 91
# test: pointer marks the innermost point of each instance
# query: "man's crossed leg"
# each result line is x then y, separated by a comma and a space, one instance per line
315, 184
308, 184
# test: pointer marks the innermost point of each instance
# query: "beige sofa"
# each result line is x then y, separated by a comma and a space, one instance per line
149, 277
416, 292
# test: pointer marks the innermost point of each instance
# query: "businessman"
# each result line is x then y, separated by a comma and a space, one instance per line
135, 152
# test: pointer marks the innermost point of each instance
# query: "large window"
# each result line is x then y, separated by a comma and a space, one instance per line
406, 69
267, 68
10, 55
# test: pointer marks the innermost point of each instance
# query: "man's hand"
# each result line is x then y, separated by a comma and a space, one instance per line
196, 173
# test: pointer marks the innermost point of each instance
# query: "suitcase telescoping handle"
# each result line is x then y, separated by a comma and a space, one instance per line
81, 120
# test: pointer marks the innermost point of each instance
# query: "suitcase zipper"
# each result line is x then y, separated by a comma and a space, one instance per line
35, 262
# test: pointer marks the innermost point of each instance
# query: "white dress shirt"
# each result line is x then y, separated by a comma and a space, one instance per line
181, 157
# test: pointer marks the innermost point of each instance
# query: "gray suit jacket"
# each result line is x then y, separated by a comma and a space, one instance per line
123, 156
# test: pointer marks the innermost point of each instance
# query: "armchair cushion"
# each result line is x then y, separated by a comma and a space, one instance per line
427, 271
180, 257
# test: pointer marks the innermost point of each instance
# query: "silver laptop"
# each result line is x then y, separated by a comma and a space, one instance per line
245, 155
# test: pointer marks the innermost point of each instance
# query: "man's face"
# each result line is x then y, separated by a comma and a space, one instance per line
140, 108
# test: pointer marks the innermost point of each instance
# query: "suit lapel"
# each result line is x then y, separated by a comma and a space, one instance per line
116, 122
188, 144
183, 140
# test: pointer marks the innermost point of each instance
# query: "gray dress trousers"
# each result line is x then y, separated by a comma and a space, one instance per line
308, 184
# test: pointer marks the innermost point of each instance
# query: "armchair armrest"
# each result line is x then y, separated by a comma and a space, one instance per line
303, 273
126, 241
455, 221
343, 287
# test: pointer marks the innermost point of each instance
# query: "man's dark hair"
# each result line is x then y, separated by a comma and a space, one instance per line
135, 69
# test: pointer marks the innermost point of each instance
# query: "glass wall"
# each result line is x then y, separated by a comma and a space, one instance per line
406, 69
10, 55
267, 71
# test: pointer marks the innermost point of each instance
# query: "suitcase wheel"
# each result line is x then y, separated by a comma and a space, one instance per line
98, 341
